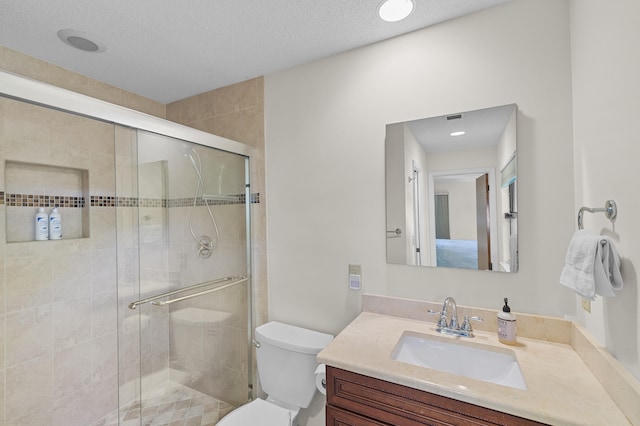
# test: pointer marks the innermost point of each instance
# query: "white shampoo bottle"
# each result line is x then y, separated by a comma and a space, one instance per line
506, 325
42, 225
55, 225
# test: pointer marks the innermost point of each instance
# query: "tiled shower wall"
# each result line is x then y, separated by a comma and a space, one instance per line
235, 112
58, 361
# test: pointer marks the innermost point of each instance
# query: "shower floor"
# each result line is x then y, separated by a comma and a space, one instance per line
170, 404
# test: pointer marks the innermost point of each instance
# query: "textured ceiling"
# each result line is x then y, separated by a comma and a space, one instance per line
168, 49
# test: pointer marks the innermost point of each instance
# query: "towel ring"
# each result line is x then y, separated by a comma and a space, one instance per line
610, 211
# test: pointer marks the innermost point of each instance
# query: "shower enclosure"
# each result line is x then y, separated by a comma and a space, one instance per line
142, 312
190, 262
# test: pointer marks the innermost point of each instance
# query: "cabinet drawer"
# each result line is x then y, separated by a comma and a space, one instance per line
395, 404
338, 417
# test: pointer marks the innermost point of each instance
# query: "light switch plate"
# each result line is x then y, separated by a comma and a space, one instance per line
355, 277
355, 270
586, 304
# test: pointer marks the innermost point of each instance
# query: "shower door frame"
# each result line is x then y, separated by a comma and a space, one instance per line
38, 93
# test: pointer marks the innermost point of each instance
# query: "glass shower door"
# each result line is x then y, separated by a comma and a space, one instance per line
193, 310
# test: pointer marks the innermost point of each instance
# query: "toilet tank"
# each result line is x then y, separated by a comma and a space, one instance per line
287, 361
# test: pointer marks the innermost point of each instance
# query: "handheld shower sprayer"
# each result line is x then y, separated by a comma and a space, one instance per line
205, 243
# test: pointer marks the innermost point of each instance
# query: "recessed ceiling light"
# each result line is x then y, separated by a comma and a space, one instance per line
395, 10
458, 133
81, 40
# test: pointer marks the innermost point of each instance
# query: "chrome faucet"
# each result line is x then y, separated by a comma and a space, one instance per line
453, 323
452, 326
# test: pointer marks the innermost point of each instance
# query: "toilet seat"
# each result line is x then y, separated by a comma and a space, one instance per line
260, 413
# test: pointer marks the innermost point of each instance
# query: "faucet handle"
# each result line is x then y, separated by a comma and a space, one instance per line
466, 324
442, 322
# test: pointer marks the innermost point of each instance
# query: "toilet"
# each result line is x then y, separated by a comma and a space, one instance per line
286, 357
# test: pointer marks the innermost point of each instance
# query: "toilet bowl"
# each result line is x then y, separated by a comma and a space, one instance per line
286, 357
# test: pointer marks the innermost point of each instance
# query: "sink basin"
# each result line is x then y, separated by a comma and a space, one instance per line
494, 365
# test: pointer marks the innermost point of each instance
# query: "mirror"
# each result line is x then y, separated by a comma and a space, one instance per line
451, 194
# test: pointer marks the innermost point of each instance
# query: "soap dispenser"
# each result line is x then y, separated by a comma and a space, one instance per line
506, 325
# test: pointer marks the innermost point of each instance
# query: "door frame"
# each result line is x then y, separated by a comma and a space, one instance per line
493, 218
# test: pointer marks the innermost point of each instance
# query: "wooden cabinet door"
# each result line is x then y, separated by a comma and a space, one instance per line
338, 417
379, 402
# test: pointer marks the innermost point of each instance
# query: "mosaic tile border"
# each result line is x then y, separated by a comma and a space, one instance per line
32, 200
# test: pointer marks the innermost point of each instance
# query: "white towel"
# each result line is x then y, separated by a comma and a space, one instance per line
592, 266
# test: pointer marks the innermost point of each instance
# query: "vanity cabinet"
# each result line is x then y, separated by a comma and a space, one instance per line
357, 400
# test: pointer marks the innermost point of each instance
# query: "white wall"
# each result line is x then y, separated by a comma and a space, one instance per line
325, 129
606, 95
462, 207
414, 155
394, 180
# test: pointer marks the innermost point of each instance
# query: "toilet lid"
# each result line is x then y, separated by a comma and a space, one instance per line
259, 413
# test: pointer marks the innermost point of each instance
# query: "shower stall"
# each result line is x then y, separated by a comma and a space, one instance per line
142, 313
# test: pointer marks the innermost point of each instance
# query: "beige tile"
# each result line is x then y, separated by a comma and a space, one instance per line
2, 296
21, 64
2, 345
28, 151
104, 396
175, 111
71, 369
195, 108
66, 79
2, 386
236, 97
28, 282
25, 179
139, 103
106, 92
226, 125
246, 127
26, 123
104, 357
71, 322
103, 224
65, 156
29, 392
102, 178
103, 271
206, 125
28, 334
104, 314
73, 409
21, 221
72, 222
46, 249
80, 133
71, 276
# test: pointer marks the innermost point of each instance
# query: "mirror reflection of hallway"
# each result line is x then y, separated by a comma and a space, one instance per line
463, 146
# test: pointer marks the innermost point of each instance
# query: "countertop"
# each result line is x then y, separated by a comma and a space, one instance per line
561, 389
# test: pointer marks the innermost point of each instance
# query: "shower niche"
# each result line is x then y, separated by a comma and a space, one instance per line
29, 186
